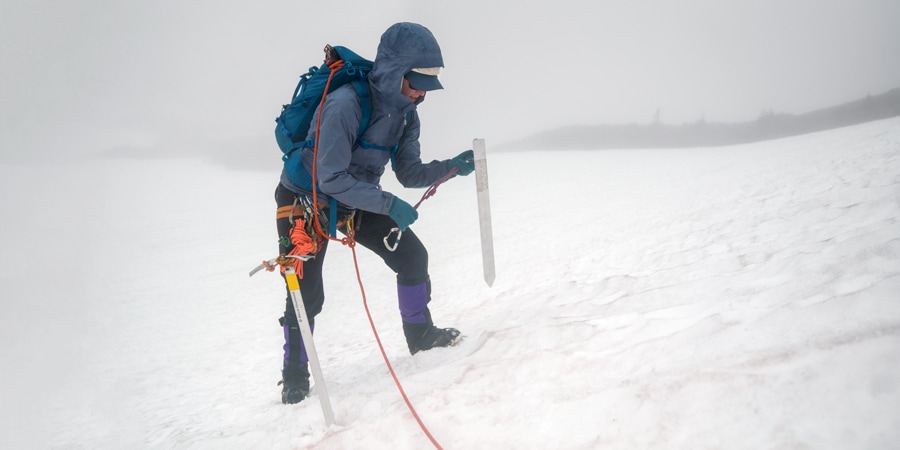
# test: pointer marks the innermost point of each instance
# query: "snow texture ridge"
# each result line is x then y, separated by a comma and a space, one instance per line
740, 297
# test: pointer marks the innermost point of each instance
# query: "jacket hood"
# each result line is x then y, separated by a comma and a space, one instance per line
403, 47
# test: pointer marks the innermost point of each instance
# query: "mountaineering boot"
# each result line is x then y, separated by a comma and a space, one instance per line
295, 372
294, 384
426, 336
420, 332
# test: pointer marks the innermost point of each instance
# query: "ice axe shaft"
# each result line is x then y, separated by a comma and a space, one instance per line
293, 284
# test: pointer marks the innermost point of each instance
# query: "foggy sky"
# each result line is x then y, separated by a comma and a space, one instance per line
80, 77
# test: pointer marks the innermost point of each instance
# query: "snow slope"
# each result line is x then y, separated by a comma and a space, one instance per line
739, 297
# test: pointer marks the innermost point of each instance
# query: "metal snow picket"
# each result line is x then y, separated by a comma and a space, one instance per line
293, 283
484, 211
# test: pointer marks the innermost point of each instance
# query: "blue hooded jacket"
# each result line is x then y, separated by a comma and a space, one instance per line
351, 173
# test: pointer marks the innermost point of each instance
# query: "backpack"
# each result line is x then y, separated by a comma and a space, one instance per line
292, 126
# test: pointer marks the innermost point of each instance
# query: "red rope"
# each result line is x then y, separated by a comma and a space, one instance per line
349, 239
433, 188
351, 242
388, 361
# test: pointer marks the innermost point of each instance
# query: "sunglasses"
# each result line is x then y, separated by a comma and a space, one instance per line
409, 83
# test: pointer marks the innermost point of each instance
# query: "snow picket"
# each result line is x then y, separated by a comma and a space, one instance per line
484, 211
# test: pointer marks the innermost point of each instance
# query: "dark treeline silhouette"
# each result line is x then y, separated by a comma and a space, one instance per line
769, 125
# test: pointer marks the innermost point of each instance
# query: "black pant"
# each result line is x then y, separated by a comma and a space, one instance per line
409, 261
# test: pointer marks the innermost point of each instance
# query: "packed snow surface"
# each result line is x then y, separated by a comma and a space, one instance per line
740, 297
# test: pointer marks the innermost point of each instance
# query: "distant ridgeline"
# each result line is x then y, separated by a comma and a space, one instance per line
706, 134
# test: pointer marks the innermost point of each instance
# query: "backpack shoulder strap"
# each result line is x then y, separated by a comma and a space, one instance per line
365, 105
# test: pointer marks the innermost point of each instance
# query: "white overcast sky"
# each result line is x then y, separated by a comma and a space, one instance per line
82, 76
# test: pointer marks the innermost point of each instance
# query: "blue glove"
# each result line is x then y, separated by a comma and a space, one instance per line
464, 162
403, 213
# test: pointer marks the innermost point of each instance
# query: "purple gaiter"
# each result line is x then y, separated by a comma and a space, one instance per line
413, 300
287, 344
